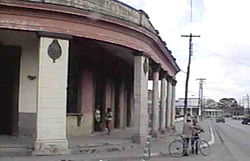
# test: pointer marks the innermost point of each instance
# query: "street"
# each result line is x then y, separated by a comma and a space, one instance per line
231, 144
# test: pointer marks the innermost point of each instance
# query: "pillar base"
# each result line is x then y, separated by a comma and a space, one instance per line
139, 139
51, 147
168, 129
154, 134
163, 131
173, 128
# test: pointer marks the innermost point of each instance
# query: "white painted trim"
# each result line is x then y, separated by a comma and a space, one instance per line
212, 141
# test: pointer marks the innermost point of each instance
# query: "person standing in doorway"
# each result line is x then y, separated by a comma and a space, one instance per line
97, 116
108, 119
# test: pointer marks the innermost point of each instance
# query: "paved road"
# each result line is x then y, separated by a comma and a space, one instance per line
232, 144
235, 139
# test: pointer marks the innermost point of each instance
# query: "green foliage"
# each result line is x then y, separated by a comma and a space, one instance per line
228, 103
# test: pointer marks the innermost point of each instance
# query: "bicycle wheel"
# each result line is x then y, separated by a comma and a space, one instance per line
175, 148
204, 147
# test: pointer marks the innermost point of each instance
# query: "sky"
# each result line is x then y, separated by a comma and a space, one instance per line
221, 54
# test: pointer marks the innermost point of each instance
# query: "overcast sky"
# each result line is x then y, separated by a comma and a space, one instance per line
220, 55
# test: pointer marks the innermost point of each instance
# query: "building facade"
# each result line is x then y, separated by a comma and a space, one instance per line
62, 59
213, 112
192, 106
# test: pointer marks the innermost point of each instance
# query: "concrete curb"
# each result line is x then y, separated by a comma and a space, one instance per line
212, 141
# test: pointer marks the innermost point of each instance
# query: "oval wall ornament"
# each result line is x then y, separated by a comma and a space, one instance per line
54, 50
145, 66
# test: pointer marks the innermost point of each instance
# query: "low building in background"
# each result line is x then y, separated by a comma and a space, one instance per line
213, 112
192, 106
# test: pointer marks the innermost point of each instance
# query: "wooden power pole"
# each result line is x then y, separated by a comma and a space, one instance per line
188, 70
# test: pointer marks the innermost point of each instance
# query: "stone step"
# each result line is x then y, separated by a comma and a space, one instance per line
15, 151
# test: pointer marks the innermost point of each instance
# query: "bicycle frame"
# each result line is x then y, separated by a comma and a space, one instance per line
179, 147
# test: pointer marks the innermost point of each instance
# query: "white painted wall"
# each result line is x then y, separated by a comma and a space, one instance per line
29, 43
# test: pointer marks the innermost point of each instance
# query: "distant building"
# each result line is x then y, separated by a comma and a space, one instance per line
213, 112
192, 106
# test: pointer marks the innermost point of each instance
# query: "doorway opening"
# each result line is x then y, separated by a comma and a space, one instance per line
9, 89
99, 102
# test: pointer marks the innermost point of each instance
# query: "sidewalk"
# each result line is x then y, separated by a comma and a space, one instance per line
116, 145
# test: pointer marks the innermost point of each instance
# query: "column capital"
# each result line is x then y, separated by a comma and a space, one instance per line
174, 82
169, 78
140, 53
164, 74
156, 67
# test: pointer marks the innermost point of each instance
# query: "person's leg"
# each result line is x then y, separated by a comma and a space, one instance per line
107, 125
196, 145
186, 143
192, 144
109, 128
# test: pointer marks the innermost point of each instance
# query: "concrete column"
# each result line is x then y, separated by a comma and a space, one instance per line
125, 106
140, 118
132, 107
108, 93
163, 103
122, 104
51, 97
169, 102
155, 103
87, 101
113, 101
173, 111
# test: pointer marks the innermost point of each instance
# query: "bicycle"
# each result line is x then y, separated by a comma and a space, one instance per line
177, 147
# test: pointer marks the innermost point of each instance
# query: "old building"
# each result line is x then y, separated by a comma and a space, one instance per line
61, 59
192, 106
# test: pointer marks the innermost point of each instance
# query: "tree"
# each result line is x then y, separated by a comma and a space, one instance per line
210, 103
227, 103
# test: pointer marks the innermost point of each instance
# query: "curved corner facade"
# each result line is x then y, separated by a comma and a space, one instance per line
63, 59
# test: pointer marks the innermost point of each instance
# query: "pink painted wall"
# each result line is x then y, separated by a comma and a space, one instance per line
87, 99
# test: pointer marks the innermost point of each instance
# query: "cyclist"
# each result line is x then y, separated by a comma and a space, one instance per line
196, 129
187, 134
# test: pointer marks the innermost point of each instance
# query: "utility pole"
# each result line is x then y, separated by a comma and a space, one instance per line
188, 70
248, 105
200, 100
190, 36
243, 101
247, 101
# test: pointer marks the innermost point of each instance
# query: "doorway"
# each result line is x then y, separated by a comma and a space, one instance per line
9, 89
99, 102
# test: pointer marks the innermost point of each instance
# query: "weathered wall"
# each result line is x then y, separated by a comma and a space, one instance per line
108, 7
28, 41
60, 20
75, 128
28, 66
87, 98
